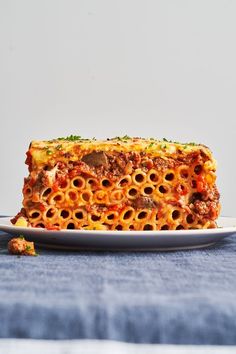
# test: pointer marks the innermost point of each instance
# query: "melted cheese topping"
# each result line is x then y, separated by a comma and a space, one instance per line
48, 152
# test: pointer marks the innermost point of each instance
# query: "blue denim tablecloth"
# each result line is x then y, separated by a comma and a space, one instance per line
186, 297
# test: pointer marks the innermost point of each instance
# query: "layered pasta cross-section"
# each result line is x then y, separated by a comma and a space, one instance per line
119, 184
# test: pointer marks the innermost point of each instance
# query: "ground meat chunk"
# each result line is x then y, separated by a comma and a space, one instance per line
208, 209
123, 163
144, 202
211, 194
201, 207
95, 159
21, 247
189, 158
117, 165
161, 164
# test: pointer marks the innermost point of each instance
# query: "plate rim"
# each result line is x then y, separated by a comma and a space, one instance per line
5, 227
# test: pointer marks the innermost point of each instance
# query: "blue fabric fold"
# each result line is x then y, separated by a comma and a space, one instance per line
184, 297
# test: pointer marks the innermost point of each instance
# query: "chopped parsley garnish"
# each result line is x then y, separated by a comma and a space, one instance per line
170, 141
150, 145
21, 237
177, 142
49, 152
28, 248
122, 138
125, 137
71, 138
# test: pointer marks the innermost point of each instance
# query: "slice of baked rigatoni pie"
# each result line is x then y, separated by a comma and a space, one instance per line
119, 184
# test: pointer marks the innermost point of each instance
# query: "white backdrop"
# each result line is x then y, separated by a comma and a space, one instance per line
152, 68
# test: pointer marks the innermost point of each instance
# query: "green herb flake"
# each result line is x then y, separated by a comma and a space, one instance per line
59, 147
150, 145
28, 248
49, 152
21, 237
171, 141
71, 138
126, 137
179, 143
122, 138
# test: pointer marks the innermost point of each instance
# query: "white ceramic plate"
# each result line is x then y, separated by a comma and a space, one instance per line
164, 240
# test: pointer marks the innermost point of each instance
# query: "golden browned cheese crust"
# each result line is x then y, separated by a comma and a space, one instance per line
119, 184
